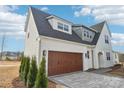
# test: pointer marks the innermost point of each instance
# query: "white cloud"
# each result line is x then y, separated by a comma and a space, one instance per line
113, 14
117, 39
44, 9
8, 8
11, 23
82, 12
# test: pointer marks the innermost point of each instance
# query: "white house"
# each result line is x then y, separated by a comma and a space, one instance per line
67, 47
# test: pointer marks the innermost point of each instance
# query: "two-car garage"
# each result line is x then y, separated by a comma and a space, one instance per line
64, 62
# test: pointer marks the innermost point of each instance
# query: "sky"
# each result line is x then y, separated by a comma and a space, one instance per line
12, 21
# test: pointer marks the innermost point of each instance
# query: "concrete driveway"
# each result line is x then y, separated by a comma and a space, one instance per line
88, 80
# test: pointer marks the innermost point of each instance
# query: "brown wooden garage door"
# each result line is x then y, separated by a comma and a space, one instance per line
64, 62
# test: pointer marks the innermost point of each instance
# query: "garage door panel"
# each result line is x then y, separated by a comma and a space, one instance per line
63, 62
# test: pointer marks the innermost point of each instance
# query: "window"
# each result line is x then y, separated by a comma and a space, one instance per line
66, 28
108, 55
106, 39
87, 34
60, 26
84, 33
63, 27
90, 36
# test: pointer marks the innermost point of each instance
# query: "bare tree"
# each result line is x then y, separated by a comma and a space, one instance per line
2, 45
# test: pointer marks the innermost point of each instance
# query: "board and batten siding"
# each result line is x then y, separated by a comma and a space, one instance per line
102, 47
31, 42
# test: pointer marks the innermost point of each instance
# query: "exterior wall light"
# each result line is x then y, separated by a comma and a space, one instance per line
44, 52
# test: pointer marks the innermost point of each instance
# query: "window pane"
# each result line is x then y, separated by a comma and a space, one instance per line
60, 26
66, 28
108, 55
84, 33
87, 34
90, 36
106, 39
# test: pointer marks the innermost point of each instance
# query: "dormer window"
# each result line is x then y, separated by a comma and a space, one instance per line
66, 28
90, 36
87, 34
84, 33
63, 27
60, 26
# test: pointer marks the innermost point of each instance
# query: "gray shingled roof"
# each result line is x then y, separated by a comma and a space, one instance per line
98, 26
45, 29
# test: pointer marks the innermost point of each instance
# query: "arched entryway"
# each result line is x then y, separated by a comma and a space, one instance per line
100, 59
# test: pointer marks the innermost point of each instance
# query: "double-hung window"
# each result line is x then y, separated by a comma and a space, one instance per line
84, 33
60, 26
63, 27
66, 28
108, 55
87, 34
106, 39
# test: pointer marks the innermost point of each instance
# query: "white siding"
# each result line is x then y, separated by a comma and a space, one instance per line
31, 43
103, 48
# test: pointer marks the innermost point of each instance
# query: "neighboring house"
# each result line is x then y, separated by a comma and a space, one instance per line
121, 57
67, 47
7, 55
116, 57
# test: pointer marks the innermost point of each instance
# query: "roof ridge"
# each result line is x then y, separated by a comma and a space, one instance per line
103, 22
38, 10
50, 14
98, 26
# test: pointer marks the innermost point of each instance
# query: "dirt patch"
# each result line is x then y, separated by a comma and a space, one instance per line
10, 63
9, 75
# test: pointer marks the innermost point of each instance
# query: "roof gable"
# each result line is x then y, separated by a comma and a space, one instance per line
98, 26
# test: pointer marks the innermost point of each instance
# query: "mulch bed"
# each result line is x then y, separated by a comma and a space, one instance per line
17, 83
51, 84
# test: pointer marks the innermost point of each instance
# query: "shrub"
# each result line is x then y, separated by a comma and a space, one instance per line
22, 66
20, 69
41, 79
26, 69
32, 73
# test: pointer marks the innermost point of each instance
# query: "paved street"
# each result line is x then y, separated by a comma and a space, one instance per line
89, 80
